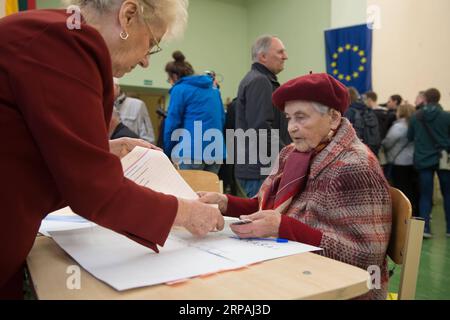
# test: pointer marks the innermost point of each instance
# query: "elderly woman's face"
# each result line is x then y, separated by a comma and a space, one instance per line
308, 127
127, 53
133, 51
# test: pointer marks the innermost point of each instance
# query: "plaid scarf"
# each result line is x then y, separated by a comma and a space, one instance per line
291, 181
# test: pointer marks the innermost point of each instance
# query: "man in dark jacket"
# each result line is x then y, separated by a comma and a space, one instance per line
430, 131
392, 105
257, 117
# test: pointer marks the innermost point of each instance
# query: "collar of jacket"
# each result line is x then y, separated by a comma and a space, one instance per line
119, 101
263, 69
342, 140
433, 106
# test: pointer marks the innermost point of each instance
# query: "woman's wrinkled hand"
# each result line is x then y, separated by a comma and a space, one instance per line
123, 146
198, 218
214, 198
264, 224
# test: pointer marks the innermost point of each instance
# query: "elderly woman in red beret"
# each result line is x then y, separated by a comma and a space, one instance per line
328, 190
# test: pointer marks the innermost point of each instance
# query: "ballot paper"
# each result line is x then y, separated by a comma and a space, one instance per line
149, 168
153, 169
63, 219
124, 264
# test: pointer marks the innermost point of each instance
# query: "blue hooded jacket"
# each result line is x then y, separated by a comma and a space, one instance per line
193, 99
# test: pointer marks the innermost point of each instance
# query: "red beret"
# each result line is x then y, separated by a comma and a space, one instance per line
319, 87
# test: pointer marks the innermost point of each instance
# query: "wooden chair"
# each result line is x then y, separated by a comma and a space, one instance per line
405, 244
202, 180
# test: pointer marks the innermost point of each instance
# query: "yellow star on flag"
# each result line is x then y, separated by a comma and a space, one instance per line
355, 48
361, 53
361, 68
340, 49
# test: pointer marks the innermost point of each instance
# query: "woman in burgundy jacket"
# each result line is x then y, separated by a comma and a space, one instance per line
56, 99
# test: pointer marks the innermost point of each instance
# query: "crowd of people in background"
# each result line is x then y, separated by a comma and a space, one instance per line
407, 139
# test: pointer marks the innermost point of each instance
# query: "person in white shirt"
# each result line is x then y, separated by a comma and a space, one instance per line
133, 114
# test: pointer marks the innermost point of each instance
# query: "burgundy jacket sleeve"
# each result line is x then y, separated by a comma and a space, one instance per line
295, 230
64, 90
240, 206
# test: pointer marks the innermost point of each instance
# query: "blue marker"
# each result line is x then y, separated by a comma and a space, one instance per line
278, 240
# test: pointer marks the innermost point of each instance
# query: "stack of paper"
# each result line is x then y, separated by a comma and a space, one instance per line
124, 264
148, 168
152, 169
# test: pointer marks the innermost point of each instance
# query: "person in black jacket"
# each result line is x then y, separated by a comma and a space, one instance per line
118, 130
364, 121
254, 110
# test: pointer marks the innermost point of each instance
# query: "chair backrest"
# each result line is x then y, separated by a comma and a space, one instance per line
401, 213
405, 244
201, 180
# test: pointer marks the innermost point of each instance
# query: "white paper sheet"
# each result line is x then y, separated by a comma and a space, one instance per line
149, 168
63, 219
124, 264
152, 169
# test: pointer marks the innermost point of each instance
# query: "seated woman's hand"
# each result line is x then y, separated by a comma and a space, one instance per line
198, 218
264, 224
122, 146
214, 198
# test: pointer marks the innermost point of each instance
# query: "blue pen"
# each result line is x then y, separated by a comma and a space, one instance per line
278, 240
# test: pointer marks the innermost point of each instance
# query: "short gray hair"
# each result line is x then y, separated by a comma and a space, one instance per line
320, 108
261, 45
168, 14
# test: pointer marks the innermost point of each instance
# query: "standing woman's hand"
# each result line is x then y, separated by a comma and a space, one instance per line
198, 218
214, 198
122, 146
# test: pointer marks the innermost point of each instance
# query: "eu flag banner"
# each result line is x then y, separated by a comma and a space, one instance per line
14, 6
349, 56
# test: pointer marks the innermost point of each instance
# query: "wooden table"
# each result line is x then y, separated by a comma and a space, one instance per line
302, 276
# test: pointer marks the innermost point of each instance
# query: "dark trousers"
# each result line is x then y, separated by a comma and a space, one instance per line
406, 179
426, 194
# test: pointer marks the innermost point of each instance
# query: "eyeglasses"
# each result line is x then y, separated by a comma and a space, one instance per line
156, 48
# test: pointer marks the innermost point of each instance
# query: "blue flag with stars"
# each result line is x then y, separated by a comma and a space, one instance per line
349, 56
